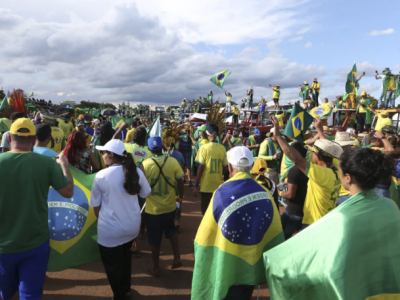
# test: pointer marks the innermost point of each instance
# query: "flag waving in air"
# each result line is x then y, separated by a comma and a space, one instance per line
298, 123
219, 78
352, 82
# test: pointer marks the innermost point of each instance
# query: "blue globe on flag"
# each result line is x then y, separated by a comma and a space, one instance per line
297, 123
67, 216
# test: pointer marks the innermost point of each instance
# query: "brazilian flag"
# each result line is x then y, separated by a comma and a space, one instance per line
241, 223
219, 78
352, 82
298, 123
72, 225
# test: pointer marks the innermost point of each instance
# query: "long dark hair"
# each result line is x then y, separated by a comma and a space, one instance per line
139, 136
131, 182
106, 133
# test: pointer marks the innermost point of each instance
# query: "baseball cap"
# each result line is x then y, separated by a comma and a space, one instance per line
155, 143
96, 121
257, 132
260, 166
237, 153
197, 124
114, 146
203, 128
23, 123
363, 93
80, 122
173, 121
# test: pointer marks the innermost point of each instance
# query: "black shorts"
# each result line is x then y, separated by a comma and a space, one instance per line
157, 224
276, 100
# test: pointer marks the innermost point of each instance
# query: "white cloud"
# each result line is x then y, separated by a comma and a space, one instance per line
303, 31
369, 88
381, 32
249, 52
308, 45
368, 67
60, 94
296, 39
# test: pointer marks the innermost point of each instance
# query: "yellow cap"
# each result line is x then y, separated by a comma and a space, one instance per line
173, 121
363, 93
23, 123
260, 167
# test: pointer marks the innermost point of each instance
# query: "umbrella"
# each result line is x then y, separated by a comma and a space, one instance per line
109, 112
5, 125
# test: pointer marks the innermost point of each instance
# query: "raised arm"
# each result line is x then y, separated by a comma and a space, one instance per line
120, 129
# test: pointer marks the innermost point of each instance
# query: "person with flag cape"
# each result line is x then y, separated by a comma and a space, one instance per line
391, 88
210, 97
352, 84
271, 152
364, 113
241, 223
220, 77
304, 91
351, 253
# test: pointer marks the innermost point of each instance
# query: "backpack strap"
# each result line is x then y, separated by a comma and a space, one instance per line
161, 173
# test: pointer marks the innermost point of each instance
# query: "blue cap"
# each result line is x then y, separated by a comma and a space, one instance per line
155, 143
257, 132
197, 124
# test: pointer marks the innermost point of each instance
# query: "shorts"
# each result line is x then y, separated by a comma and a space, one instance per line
276, 100
187, 156
157, 224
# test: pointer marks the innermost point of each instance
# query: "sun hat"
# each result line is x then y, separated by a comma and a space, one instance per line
343, 139
260, 167
114, 146
155, 143
326, 148
96, 121
315, 79
23, 123
237, 153
305, 83
257, 132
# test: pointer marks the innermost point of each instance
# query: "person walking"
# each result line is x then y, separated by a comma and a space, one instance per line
162, 173
114, 197
24, 229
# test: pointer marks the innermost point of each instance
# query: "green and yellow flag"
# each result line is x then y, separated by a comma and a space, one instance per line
352, 82
72, 225
298, 123
393, 81
241, 223
219, 78
350, 253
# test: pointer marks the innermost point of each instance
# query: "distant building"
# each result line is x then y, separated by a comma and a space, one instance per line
70, 103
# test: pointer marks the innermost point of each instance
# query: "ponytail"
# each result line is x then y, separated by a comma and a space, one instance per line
131, 182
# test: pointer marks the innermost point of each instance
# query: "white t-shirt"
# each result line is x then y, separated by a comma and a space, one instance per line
119, 217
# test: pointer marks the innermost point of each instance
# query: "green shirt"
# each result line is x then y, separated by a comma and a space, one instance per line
26, 180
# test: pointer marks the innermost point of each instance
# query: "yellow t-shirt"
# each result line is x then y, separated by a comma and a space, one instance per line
343, 191
316, 86
280, 119
66, 127
139, 153
228, 98
322, 193
57, 142
213, 157
275, 94
129, 135
236, 110
362, 109
162, 197
392, 84
382, 122
204, 141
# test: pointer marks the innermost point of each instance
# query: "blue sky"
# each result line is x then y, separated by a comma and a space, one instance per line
162, 51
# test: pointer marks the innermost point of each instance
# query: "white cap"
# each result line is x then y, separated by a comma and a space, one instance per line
114, 146
96, 121
235, 154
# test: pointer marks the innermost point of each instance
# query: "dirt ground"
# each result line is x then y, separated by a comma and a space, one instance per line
89, 281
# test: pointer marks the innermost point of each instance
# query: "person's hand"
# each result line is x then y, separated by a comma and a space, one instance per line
257, 145
276, 155
124, 125
275, 122
62, 160
228, 135
195, 191
378, 134
318, 124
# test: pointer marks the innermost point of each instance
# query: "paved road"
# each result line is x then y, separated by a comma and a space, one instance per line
89, 282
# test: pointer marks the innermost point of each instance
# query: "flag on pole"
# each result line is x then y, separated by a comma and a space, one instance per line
352, 82
72, 225
298, 123
155, 128
219, 78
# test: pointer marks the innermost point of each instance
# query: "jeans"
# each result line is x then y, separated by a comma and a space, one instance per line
315, 97
383, 192
390, 98
342, 199
290, 224
338, 118
380, 99
25, 270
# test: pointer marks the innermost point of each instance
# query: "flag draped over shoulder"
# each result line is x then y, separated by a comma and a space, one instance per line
73, 225
219, 78
352, 82
241, 223
350, 253
298, 123
385, 83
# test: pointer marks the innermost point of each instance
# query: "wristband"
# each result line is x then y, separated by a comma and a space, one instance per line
196, 185
280, 193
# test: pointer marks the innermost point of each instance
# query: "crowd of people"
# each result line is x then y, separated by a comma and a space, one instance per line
138, 191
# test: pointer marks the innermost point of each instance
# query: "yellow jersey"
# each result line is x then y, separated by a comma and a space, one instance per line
275, 94
280, 119
316, 87
228, 98
236, 110
162, 197
213, 156
66, 127
57, 142
362, 109
382, 122
392, 84
322, 194
129, 135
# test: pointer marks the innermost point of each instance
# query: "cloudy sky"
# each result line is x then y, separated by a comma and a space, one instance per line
158, 51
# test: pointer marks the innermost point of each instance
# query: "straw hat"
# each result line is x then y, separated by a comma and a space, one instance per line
315, 79
305, 83
326, 148
344, 139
